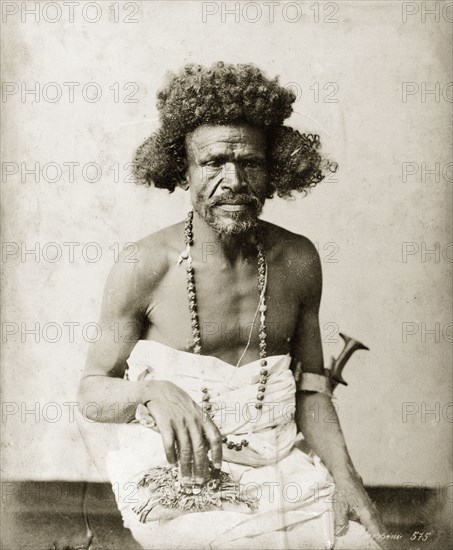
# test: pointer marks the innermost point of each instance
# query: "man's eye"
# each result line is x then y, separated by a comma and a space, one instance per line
213, 164
251, 163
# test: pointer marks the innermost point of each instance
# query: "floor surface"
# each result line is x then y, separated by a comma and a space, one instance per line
48, 516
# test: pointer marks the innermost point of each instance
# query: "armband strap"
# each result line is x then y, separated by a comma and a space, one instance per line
314, 382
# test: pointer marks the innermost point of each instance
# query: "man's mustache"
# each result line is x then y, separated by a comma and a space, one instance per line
236, 198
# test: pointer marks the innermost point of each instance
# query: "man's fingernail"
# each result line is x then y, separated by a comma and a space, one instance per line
340, 531
199, 480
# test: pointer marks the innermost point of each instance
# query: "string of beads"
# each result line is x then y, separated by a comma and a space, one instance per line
195, 324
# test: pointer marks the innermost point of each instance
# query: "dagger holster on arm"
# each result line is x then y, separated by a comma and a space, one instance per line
333, 374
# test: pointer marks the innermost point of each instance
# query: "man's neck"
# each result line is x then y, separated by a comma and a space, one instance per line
232, 248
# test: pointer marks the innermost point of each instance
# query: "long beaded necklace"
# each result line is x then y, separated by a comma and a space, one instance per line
196, 333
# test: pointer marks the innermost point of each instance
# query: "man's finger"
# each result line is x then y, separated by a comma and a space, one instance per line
185, 454
168, 440
214, 440
370, 519
340, 509
353, 515
200, 454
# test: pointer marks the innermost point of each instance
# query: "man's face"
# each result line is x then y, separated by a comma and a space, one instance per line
227, 175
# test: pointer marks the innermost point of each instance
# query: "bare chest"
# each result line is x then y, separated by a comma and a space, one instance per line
227, 304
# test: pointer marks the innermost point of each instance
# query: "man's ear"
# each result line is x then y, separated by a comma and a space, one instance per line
183, 184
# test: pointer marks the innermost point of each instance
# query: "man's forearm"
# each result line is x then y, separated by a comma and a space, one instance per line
109, 399
317, 419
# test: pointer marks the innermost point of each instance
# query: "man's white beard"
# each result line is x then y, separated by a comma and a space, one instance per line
237, 226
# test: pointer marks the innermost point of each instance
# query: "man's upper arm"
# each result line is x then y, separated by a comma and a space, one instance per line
122, 320
306, 345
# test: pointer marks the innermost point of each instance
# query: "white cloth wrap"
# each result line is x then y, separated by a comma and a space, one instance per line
294, 488
270, 431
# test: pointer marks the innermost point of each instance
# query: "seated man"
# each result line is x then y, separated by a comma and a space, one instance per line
215, 320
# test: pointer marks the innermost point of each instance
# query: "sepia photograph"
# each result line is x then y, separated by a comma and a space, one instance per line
226, 292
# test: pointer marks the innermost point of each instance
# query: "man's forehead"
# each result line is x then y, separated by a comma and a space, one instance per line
208, 137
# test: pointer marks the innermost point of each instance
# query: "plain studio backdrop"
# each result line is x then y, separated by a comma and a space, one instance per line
371, 78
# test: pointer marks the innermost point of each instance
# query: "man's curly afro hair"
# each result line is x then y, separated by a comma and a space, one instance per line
228, 94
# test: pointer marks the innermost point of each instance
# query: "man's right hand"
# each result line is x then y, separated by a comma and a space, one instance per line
187, 432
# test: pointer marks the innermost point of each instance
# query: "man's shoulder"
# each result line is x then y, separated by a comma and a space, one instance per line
296, 260
158, 250
161, 242
152, 257
293, 247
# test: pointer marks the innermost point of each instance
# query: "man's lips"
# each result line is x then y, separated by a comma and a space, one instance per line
233, 207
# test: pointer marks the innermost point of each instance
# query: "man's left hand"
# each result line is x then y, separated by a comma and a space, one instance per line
351, 501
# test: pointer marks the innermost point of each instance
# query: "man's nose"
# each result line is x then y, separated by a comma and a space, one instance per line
232, 177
